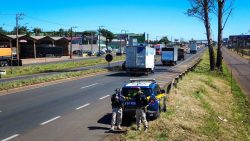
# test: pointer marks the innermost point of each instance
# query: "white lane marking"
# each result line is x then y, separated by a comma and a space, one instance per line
83, 106
48, 121
89, 85
11, 137
104, 97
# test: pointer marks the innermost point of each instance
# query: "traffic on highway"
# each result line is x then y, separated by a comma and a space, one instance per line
83, 105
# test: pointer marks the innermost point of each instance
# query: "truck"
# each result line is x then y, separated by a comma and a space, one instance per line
181, 54
158, 48
193, 47
5, 56
169, 56
140, 59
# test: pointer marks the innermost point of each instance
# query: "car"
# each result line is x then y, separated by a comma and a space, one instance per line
77, 52
100, 53
156, 97
91, 53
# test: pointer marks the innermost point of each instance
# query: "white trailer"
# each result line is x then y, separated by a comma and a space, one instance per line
193, 47
140, 59
169, 56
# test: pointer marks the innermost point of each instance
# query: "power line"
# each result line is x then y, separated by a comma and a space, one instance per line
60, 24
47, 21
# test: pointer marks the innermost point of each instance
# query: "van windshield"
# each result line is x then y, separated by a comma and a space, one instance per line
131, 92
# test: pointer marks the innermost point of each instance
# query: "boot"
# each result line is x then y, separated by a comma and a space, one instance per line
112, 128
138, 129
119, 127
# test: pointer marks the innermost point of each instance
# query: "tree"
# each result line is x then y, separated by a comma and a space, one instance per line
86, 34
201, 9
108, 34
21, 30
61, 32
221, 11
2, 31
164, 40
37, 31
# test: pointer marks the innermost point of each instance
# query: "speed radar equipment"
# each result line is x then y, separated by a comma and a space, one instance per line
109, 57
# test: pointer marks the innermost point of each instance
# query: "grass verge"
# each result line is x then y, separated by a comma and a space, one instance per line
36, 69
202, 107
33, 81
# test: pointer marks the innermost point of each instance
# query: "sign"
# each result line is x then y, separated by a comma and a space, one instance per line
2, 72
109, 57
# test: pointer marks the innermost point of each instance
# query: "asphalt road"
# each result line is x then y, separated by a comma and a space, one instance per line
240, 68
75, 110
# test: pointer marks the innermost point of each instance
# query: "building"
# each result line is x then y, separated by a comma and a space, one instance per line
36, 46
239, 41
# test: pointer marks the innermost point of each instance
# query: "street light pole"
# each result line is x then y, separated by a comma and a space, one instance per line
71, 38
99, 40
18, 16
121, 40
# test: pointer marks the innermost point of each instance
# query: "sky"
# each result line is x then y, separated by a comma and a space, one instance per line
156, 17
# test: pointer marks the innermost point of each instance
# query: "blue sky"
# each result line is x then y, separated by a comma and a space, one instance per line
156, 17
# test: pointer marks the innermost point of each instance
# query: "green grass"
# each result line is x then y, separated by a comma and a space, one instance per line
36, 69
197, 107
28, 82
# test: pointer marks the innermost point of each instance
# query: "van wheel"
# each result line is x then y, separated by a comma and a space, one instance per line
152, 70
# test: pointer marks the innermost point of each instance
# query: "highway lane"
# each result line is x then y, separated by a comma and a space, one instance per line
240, 68
24, 112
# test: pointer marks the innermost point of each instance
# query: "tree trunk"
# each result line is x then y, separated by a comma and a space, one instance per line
220, 29
209, 38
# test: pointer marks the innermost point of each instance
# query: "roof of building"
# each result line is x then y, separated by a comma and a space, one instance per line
239, 36
14, 36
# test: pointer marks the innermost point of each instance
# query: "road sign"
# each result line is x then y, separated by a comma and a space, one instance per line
109, 57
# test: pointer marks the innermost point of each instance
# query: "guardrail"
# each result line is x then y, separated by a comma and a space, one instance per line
175, 81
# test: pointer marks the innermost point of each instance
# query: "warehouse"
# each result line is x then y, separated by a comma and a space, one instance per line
240, 43
37, 46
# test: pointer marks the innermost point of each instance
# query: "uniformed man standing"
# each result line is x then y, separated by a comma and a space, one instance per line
117, 101
141, 106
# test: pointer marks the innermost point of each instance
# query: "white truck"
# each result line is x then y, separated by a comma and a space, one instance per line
193, 47
140, 59
169, 56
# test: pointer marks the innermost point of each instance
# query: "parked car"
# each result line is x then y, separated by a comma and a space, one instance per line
100, 53
156, 97
91, 53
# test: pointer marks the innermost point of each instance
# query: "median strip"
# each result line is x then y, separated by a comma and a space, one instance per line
89, 86
82, 106
11, 137
48, 121
104, 97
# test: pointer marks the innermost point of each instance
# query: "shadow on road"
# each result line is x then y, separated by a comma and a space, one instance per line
119, 74
126, 120
106, 119
97, 128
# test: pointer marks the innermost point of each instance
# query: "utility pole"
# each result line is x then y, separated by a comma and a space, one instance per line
99, 40
92, 42
18, 17
147, 38
71, 38
121, 40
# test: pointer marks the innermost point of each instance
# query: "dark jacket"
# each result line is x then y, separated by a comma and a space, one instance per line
141, 100
117, 101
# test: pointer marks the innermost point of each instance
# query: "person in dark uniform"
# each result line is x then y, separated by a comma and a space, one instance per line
141, 106
117, 101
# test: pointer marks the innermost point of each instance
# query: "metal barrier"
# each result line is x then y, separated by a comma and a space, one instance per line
174, 82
